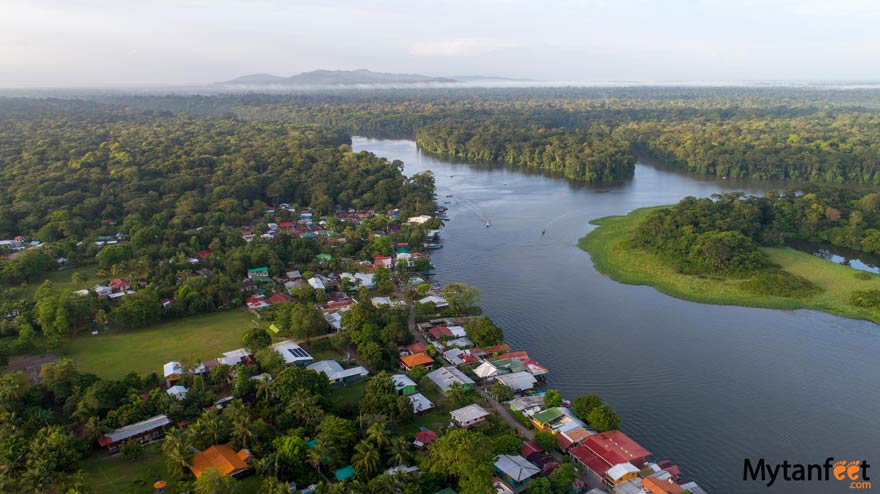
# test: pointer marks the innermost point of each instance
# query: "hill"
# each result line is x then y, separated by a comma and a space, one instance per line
336, 78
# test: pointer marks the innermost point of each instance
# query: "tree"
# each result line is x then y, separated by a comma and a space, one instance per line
399, 452
547, 440
379, 434
306, 322
552, 398
380, 396
132, 450
540, 485
563, 477
483, 332
462, 298
367, 459
255, 339
176, 449
501, 391
239, 419
138, 309
336, 436
603, 418
213, 482
466, 455
507, 444
584, 404
292, 451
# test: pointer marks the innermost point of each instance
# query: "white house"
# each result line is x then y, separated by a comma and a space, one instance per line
469, 416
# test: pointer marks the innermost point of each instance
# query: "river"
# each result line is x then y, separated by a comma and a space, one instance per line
701, 385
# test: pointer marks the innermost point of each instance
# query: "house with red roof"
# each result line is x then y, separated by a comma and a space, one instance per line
438, 332
383, 260
119, 285
204, 253
280, 298
424, 437
599, 453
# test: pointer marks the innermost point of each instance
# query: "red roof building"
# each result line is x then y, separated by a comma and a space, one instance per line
204, 253
424, 437
280, 298
531, 449
600, 452
479, 352
416, 348
119, 284
440, 332
287, 224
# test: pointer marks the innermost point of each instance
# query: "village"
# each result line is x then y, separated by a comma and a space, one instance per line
441, 369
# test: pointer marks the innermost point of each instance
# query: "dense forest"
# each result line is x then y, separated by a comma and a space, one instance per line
812, 135
593, 155
720, 236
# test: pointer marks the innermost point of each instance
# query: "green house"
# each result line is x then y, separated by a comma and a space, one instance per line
325, 257
404, 385
258, 272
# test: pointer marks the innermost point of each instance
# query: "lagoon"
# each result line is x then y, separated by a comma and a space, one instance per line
701, 385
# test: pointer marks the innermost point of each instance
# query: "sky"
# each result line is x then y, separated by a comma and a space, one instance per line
82, 43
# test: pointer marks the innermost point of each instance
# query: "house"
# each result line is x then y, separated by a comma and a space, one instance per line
177, 391
401, 470
145, 431
336, 374
257, 303
547, 419
518, 381
440, 332
572, 437
409, 362
360, 279
222, 458
417, 347
463, 342
380, 301
235, 357
262, 272
420, 403
456, 356
292, 353
446, 377
383, 260
334, 319
622, 472
293, 275
172, 372
469, 416
655, 485
527, 405
280, 298
438, 302
515, 470
119, 285
316, 283
403, 384
424, 437
418, 220
600, 452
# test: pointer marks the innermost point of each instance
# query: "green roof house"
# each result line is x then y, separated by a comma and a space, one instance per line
258, 273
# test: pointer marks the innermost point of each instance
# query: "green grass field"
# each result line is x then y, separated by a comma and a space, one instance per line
114, 354
638, 267
61, 278
114, 475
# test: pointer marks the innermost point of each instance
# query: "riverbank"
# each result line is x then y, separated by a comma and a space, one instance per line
836, 283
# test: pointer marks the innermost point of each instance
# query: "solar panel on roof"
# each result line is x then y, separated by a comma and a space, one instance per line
298, 352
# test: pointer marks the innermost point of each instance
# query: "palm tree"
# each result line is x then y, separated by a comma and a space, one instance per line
378, 433
176, 449
366, 459
315, 455
399, 452
264, 388
240, 420
93, 430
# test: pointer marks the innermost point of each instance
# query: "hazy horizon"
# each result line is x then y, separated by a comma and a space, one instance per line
99, 43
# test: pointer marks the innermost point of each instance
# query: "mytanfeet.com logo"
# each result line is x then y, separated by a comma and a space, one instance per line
853, 473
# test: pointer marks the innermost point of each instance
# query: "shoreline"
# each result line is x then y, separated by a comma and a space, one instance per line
611, 258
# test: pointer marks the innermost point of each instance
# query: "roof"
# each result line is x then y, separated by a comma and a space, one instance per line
344, 473
547, 416
618, 471
135, 429
420, 403
291, 352
516, 467
445, 377
524, 402
326, 366
434, 299
439, 332
484, 370
425, 437
416, 347
402, 381
172, 369
469, 413
616, 447
529, 448
279, 298
518, 381
590, 459
258, 270
416, 359
572, 437
220, 457
178, 392
657, 486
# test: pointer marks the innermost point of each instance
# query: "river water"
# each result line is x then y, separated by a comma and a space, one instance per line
701, 385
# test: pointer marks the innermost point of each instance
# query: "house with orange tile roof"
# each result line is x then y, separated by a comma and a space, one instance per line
410, 362
222, 458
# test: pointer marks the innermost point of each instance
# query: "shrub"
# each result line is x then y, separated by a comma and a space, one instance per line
779, 283
866, 299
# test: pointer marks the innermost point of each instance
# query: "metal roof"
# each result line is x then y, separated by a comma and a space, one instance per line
516, 467
138, 428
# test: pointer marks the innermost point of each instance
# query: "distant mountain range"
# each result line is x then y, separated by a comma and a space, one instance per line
324, 78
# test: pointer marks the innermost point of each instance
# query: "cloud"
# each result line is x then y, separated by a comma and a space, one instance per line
458, 47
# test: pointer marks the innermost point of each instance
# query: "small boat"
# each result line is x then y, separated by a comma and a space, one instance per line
487, 224
448, 195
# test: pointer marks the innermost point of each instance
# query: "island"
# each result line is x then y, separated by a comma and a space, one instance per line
713, 259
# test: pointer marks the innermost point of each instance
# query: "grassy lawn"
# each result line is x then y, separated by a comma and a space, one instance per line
638, 267
61, 278
113, 475
114, 354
